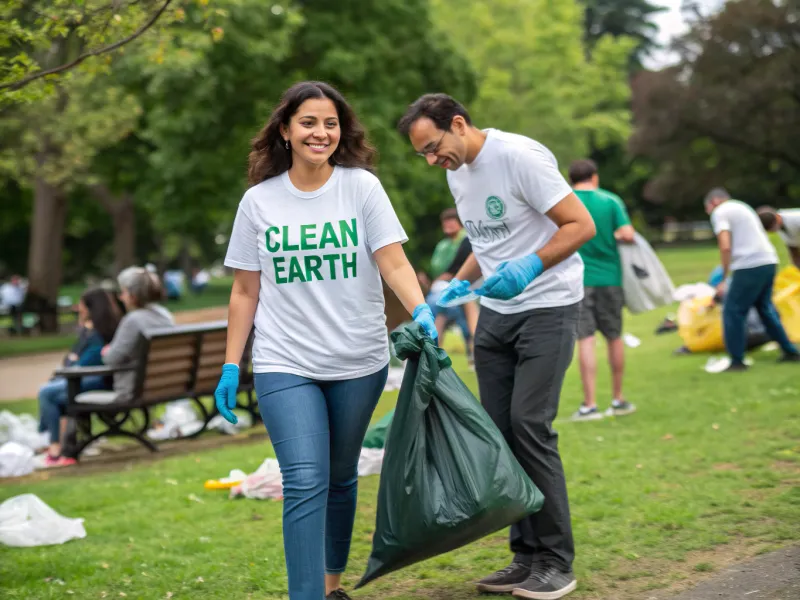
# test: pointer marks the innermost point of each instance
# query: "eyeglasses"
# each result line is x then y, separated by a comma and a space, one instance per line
434, 150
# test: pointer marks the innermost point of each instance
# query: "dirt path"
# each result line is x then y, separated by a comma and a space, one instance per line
773, 576
21, 376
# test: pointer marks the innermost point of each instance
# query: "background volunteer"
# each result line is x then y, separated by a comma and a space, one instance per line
786, 223
745, 250
603, 299
310, 242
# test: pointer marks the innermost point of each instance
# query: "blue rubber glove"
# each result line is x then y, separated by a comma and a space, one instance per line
424, 316
456, 289
512, 278
225, 394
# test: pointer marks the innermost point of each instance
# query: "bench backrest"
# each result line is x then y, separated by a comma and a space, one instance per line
183, 361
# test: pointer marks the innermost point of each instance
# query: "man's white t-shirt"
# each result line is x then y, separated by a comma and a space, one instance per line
750, 245
320, 309
502, 198
790, 231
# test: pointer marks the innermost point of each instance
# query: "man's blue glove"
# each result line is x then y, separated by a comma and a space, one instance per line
225, 394
424, 316
456, 289
511, 278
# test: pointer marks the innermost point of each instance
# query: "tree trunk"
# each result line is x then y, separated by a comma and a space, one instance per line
45, 252
123, 218
124, 234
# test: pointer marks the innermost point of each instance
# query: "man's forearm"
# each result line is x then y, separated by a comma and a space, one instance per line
725, 259
470, 270
566, 241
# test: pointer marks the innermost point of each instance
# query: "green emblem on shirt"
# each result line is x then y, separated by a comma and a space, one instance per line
495, 208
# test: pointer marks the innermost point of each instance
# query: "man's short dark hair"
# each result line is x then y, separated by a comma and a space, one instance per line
582, 170
449, 213
439, 108
768, 216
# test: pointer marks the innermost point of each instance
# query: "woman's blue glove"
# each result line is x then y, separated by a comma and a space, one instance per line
225, 394
512, 278
456, 289
424, 316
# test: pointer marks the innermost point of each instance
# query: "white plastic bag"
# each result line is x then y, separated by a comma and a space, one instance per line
180, 420
267, 481
370, 461
16, 460
223, 426
23, 429
645, 281
27, 521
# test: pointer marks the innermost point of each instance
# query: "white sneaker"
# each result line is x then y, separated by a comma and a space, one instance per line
619, 408
587, 414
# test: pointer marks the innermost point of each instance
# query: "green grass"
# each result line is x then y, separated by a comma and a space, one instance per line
216, 294
709, 462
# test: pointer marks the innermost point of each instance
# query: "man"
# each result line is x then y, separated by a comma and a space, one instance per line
443, 256
603, 299
747, 252
525, 225
787, 225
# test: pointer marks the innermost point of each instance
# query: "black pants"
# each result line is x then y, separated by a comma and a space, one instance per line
520, 360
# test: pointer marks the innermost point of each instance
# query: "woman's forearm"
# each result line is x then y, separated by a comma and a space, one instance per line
241, 313
403, 282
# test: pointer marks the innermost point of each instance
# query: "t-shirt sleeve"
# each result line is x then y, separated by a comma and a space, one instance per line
243, 245
621, 217
538, 180
380, 221
720, 221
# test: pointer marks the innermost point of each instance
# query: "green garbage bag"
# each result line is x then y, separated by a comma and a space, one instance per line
376, 435
448, 476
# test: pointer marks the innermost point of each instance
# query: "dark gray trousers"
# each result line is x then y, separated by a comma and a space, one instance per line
520, 360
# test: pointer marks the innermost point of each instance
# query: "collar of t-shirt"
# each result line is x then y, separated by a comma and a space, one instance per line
290, 187
489, 141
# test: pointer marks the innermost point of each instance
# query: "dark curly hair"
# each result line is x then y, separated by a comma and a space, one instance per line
270, 157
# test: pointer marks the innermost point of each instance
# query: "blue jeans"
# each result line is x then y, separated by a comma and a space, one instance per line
454, 314
53, 399
752, 288
317, 428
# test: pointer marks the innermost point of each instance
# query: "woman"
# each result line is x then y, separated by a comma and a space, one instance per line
310, 242
99, 316
140, 292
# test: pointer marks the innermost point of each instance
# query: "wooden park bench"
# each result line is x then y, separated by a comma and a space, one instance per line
174, 363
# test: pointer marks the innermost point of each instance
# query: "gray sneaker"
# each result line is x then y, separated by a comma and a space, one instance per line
619, 408
546, 582
505, 580
586, 414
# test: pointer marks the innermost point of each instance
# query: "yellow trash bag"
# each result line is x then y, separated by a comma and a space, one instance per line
700, 319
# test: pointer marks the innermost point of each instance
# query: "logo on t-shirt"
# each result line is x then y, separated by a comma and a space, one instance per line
495, 208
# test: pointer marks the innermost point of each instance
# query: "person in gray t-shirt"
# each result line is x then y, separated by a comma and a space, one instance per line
141, 292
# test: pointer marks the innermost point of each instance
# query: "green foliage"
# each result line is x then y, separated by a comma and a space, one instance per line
534, 75
728, 113
628, 18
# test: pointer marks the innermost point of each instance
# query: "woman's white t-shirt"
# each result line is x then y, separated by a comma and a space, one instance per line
320, 309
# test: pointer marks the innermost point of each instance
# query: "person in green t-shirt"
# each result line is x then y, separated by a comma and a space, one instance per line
446, 249
603, 298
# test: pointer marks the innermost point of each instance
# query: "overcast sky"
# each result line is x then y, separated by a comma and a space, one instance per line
670, 24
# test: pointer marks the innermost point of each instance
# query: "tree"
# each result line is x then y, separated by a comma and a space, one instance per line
534, 76
41, 41
729, 112
50, 143
628, 18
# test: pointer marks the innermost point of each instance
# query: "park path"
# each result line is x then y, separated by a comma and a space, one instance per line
21, 376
